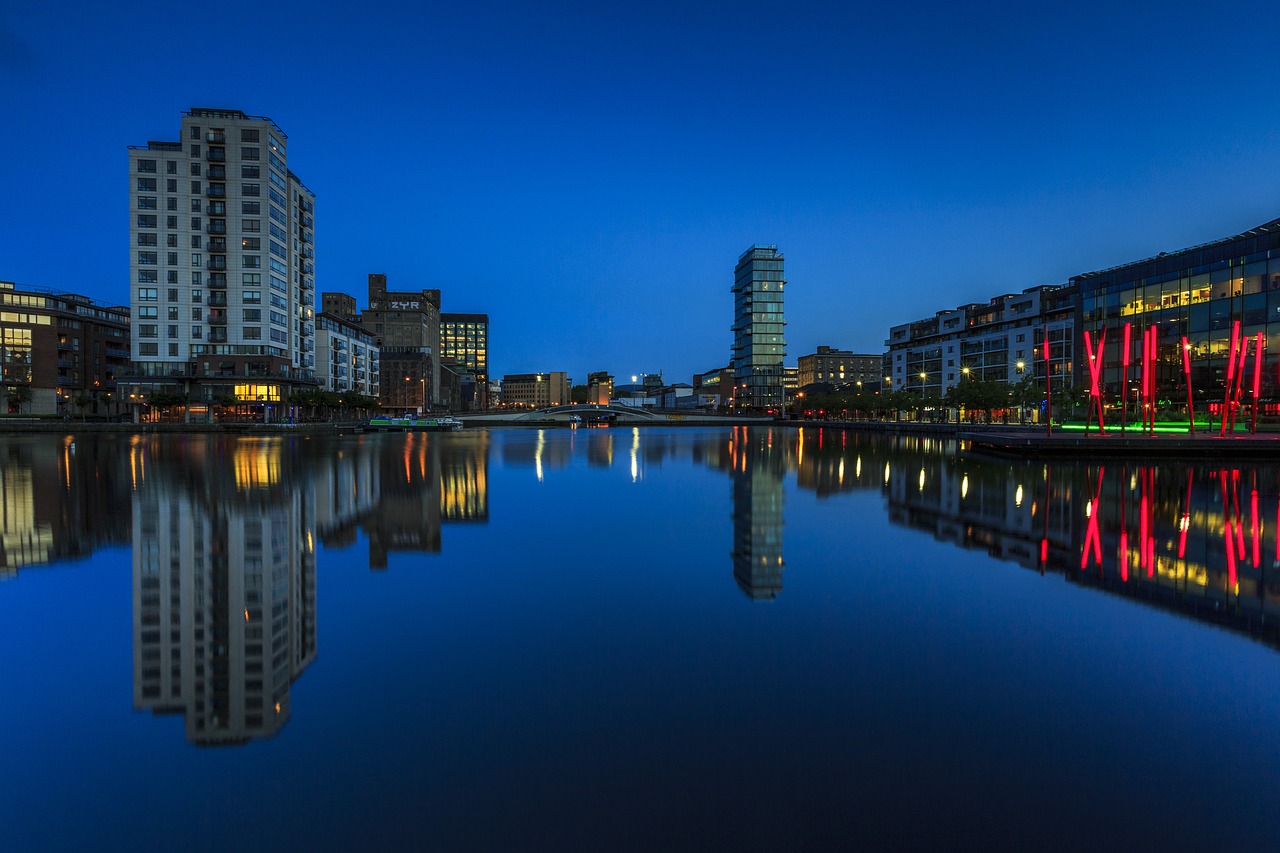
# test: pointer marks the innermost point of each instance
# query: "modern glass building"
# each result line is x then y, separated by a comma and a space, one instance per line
758, 347
1198, 292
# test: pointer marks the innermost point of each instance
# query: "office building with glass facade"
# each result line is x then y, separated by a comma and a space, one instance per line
758, 346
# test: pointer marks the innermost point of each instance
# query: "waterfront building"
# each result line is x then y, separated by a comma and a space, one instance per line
1200, 292
347, 356
60, 353
758, 346
714, 387
465, 339
996, 341
840, 367
599, 388
221, 263
406, 325
535, 390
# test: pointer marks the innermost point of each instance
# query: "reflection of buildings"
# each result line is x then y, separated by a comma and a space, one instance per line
757, 467
59, 499
464, 477
223, 590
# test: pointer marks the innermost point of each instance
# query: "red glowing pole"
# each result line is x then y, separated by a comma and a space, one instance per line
1095, 375
1124, 378
1148, 376
1142, 384
1186, 369
1155, 366
1231, 368
1258, 346
1235, 402
1048, 390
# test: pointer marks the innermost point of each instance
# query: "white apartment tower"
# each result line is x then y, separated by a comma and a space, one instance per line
221, 263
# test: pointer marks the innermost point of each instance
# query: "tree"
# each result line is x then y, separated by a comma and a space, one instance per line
1025, 394
578, 394
18, 396
81, 401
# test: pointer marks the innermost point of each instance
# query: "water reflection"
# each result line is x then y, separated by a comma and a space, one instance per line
224, 558
757, 465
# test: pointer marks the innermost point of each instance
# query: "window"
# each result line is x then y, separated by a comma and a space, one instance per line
248, 134
251, 333
250, 172
195, 188
195, 131
146, 349
253, 207
173, 350
250, 189
172, 331
195, 205
251, 279
171, 222
171, 240
251, 243
251, 297
171, 277
173, 294
171, 258
252, 262
195, 241
277, 249
148, 312
147, 330
197, 296
145, 239
146, 202
146, 165
171, 167
171, 185
146, 221
197, 332
146, 185
147, 258
172, 313
250, 226
195, 149
195, 278
148, 293
195, 260
249, 152
195, 223
253, 315
171, 203
197, 314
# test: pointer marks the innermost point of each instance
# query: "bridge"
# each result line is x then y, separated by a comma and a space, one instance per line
595, 413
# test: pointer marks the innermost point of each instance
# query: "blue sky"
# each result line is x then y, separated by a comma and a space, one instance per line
589, 175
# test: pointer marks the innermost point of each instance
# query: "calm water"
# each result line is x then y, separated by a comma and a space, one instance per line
610, 639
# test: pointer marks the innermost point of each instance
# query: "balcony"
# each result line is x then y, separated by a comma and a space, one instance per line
217, 155
216, 173
217, 226
217, 317
215, 136
218, 299
217, 262
307, 269
306, 221
217, 244
216, 191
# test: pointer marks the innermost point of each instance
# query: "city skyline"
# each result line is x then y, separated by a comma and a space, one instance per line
587, 177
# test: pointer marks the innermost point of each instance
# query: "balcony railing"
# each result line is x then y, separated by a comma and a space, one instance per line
217, 226
217, 262
216, 191
215, 136
217, 154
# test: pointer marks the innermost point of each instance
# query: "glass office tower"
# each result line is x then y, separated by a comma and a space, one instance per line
758, 347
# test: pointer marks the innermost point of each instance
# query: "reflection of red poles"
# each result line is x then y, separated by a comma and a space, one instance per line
1231, 369
1186, 520
1227, 535
1048, 391
1044, 540
1186, 369
1124, 378
1257, 380
1124, 526
1091, 536
1253, 526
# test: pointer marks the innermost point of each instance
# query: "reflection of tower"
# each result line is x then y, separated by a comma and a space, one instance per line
757, 467
464, 477
223, 592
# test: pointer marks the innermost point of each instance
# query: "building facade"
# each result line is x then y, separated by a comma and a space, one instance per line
406, 326
758, 345
840, 367
535, 390
599, 388
61, 353
465, 339
221, 263
997, 341
347, 359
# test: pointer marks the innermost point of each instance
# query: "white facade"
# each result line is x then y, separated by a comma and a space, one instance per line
346, 357
222, 255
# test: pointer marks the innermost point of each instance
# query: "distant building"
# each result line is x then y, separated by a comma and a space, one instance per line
758, 345
841, 367
61, 353
465, 339
714, 388
221, 263
599, 388
347, 357
535, 390
406, 326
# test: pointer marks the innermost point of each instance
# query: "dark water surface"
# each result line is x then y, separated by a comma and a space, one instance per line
610, 639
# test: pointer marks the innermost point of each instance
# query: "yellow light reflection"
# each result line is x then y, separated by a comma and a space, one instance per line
537, 454
1017, 497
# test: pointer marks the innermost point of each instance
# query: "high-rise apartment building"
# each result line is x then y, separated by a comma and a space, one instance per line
465, 339
758, 347
221, 262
